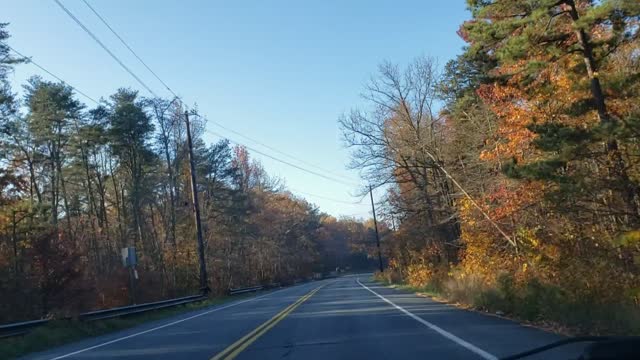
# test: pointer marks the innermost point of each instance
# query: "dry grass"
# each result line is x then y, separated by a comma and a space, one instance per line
533, 303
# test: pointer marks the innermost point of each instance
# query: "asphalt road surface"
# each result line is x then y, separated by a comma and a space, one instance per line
345, 318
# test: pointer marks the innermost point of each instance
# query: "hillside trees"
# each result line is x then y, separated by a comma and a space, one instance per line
574, 153
562, 47
78, 183
539, 126
398, 143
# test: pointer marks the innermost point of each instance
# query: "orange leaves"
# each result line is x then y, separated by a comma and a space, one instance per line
535, 93
508, 201
515, 113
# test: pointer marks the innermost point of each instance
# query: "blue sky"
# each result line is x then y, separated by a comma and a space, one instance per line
281, 72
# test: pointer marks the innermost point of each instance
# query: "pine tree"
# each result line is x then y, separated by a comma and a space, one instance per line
129, 135
549, 85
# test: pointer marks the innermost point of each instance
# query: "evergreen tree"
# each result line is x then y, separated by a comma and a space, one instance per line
129, 134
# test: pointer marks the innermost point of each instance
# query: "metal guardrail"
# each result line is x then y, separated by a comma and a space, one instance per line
136, 309
21, 328
245, 290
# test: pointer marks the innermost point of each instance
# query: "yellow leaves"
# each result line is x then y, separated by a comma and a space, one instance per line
25, 244
530, 242
466, 211
419, 275
535, 243
630, 238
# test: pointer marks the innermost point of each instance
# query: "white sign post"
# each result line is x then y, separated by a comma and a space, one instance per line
129, 260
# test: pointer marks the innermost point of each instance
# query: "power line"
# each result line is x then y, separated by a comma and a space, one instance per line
323, 197
53, 75
209, 131
103, 46
274, 149
104, 21
129, 47
473, 202
95, 38
358, 215
280, 160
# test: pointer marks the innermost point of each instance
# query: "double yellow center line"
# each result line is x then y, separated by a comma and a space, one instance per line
237, 347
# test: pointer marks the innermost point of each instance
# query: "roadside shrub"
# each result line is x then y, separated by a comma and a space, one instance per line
490, 300
463, 288
419, 275
389, 276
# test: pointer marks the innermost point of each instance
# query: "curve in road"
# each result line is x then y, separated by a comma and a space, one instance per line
346, 318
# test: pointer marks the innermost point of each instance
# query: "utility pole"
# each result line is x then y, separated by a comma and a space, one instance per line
14, 242
375, 224
204, 286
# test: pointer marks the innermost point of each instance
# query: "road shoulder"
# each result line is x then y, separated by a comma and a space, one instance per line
496, 335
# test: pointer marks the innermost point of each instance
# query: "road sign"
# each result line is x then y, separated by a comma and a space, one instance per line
129, 258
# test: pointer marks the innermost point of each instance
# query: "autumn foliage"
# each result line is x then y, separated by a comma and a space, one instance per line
79, 183
538, 136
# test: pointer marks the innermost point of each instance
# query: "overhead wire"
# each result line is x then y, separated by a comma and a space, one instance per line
278, 159
274, 149
104, 21
206, 130
104, 47
129, 48
96, 102
30, 61
115, 33
325, 197
358, 215
97, 40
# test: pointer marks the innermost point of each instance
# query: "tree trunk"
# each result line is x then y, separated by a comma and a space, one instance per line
617, 167
103, 206
65, 200
116, 192
54, 186
93, 211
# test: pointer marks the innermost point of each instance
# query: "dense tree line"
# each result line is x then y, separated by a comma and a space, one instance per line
79, 183
513, 173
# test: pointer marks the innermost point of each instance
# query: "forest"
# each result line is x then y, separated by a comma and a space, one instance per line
78, 183
513, 170
510, 179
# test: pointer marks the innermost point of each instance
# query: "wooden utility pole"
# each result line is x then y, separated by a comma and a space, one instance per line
204, 286
14, 242
375, 224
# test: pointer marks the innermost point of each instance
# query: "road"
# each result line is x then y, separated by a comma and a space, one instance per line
345, 318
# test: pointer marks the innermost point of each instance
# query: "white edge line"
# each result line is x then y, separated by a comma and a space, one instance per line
165, 325
435, 328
